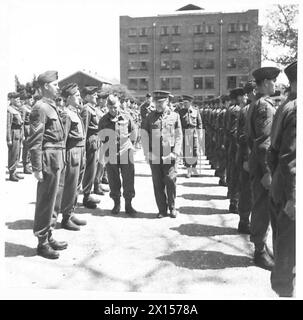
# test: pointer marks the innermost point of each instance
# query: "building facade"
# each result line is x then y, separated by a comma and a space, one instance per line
202, 54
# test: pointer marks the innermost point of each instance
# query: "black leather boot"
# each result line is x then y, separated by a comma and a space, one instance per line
56, 245
12, 176
45, 250
129, 208
117, 207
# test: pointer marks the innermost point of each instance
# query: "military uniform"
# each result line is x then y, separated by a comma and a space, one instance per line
14, 134
282, 160
118, 135
163, 136
26, 110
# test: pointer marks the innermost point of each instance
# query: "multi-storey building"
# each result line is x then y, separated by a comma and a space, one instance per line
203, 54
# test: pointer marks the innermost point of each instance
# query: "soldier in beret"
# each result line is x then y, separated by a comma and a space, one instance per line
282, 160
259, 122
118, 135
192, 134
75, 157
162, 144
91, 120
46, 142
14, 134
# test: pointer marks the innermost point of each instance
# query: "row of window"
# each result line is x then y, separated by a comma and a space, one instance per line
198, 64
197, 29
198, 46
174, 83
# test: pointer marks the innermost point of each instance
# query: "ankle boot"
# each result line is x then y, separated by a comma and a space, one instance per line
12, 176
45, 250
117, 207
128, 207
56, 245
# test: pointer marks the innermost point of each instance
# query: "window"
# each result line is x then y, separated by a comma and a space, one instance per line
164, 31
198, 46
132, 49
242, 80
164, 65
231, 63
232, 27
209, 82
133, 84
143, 32
244, 63
132, 65
232, 45
210, 28
176, 83
243, 27
210, 64
143, 84
132, 32
175, 65
175, 47
176, 30
209, 46
231, 82
198, 64
143, 48
198, 83
143, 65
164, 83
164, 48
198, 29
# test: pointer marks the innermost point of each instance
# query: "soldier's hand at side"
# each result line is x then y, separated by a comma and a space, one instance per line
38, 175
266, 180
9, 144
290, 209
245, 166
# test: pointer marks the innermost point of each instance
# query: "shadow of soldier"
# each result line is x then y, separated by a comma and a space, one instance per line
202, 230
201, 210
15, 250
201, 197
201, 259
20, 224
198, 184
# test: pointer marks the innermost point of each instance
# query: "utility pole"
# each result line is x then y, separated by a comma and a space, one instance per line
154, 56
220, 55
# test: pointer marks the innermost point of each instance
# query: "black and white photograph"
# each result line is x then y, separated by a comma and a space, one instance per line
149, 150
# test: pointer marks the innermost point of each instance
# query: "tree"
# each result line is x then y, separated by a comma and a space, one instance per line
119, 90
281, 34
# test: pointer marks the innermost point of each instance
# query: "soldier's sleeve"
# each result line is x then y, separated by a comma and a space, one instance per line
85, 115
263, 123
35, 139
9, 127
287, 155
132, 130
145, 135
178, 135
199, 121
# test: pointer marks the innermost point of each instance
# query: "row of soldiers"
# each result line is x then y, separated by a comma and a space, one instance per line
250, 138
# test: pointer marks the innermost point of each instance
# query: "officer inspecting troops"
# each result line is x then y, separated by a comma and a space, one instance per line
192, 134
46, 142
162, 144
14, 134
91, 120
282, 160
118, 136
259, 122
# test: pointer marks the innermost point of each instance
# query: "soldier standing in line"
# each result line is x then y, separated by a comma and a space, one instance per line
146, 108
245, 202
232, 120
47, 146
282, 159
118, 135
192, 134
162, 144
26, 110
91, 122
14, 134
259, 122
75, 157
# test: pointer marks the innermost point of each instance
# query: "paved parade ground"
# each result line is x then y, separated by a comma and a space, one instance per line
198, 253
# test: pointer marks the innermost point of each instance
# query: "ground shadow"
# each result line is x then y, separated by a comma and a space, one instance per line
142, 175
205, 197
201, 210
202, 260
20, 224
15, 250
204, 230
201, 175
198, 184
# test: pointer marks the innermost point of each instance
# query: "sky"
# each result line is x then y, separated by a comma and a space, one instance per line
71, 35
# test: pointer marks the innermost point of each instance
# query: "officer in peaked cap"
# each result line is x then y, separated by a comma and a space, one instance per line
283, 189
163, 128
46, 142
91, 120
259, 122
